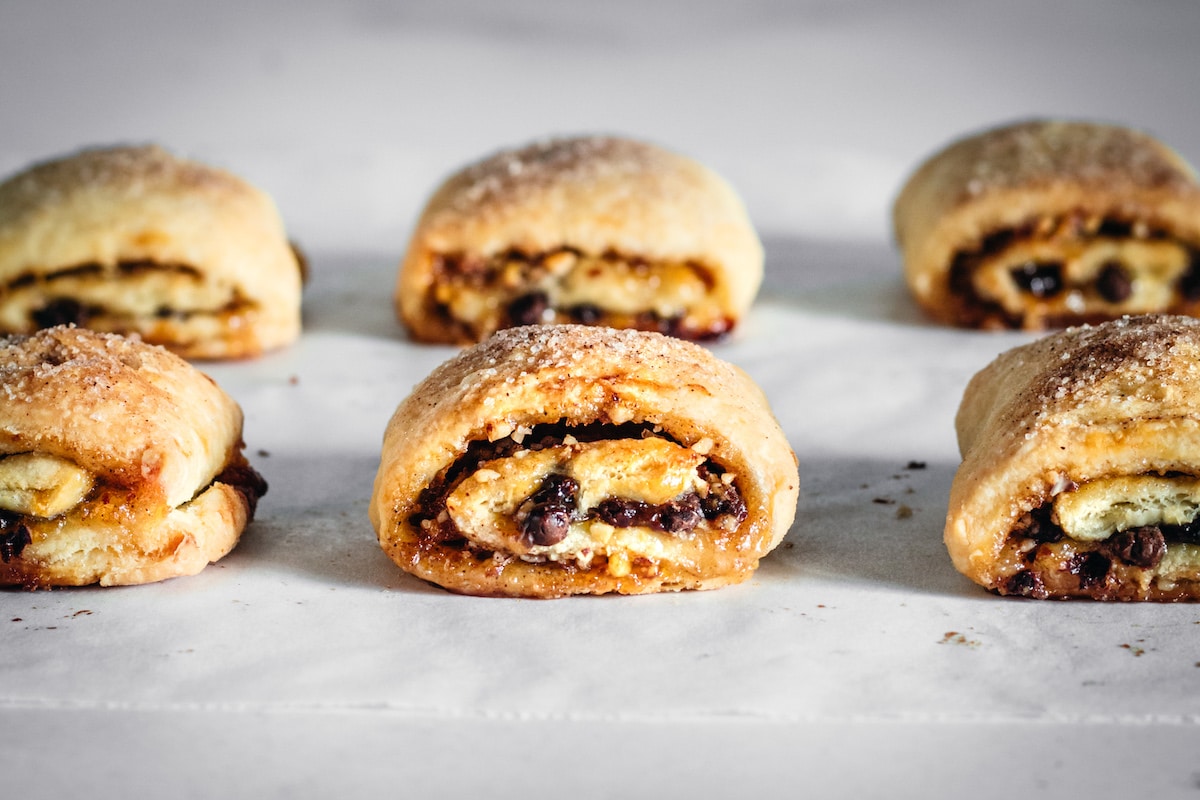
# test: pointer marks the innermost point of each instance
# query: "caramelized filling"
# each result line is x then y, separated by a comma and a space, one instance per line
608, 497
91, 295
478, 296
1072, 269
1147, 552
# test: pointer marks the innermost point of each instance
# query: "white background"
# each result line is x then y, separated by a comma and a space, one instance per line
856, 663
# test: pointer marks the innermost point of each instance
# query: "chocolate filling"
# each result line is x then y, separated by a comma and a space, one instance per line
14, 535
1094, 564
1045, 279
531, 308
546, 515
64, 310
247, 482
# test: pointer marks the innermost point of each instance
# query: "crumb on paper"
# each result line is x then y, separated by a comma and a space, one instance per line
1133, 648
883, 501
903, 512
954, 637
915, 465
263, 454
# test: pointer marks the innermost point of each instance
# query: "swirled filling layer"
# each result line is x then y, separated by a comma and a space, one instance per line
1072, 269
481, 295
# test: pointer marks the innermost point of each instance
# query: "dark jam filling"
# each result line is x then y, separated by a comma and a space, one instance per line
247, 482
14, 535
1142, 547
546, 515
66, 310
1044, 279
533, 308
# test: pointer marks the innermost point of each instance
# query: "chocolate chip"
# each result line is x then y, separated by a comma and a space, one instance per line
1026, 584
1113, 283
623, 513
1141, 547
682, 515
13, 540
1189, 284
1188, 532
61, 311
546, 525
678, 516
553, 505
1038, 278
528, 309
1115, 229
961, 270
557, 489
724, 499
1091, 567
1038, 526
586, 314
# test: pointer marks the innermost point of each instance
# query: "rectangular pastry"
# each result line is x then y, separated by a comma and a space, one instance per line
565, 459
595, 230
1050, 223
1081, 465
136, 240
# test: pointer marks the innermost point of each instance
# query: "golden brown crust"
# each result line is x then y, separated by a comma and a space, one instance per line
1050, 192
1083, 406
523, 378
592, 197
136, 240
167, 489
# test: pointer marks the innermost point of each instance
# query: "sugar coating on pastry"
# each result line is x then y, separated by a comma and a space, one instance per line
133, 239
1050, 223
594, 230
1081, 465
553, 460
120, 463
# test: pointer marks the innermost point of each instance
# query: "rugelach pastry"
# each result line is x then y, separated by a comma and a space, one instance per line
136, 240
556, 460
1046, 223
120, 463
1081, 465
593, 230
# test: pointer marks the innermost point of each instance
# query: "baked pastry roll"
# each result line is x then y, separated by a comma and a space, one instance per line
120, 463
135, 240
1081, 465
593, 230
1046, 224
558, 460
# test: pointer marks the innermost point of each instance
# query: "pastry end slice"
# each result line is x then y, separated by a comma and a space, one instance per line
1049, 223
136, 240
563, 459
120, 463
594, 230
1081, 465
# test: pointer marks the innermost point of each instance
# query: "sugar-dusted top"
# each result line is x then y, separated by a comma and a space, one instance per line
1126, 368
115, 406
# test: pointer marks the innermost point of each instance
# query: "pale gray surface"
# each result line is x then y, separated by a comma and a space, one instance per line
856, 661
